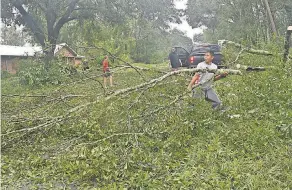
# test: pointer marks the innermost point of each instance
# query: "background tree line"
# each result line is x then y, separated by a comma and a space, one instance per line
139, 30
252, 21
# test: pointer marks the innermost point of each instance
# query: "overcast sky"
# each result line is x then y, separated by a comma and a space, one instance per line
185, 27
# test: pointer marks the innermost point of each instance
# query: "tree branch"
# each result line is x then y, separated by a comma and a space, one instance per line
115, 57
42, 7
65, 17
31, 23
249, 50
151, 83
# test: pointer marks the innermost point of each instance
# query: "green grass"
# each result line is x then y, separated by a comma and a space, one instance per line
179, 147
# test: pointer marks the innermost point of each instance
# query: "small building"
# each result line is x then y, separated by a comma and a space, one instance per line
67, 54
11, 55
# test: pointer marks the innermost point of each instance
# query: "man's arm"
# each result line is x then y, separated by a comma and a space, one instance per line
194, 79
218, 77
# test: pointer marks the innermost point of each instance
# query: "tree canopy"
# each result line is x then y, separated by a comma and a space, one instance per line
240, 20
46, 18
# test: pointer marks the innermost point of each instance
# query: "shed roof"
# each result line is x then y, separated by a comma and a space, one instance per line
31, 51
64, 45
19, 51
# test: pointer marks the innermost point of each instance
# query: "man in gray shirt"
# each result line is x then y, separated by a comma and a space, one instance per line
174, 60
206, 79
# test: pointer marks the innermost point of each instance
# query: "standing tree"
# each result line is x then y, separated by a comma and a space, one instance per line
288, 9
45, 18
250, 21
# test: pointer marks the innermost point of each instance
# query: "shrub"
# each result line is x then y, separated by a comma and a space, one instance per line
5, 74
35, 73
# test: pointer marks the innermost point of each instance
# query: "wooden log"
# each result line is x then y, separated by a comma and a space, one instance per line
249, 68
216, 71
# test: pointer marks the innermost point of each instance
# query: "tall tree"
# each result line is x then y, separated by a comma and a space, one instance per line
45, 18
288, 9
245, 21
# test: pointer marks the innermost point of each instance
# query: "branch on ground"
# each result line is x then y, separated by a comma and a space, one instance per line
151, 83
251, 50
118, 58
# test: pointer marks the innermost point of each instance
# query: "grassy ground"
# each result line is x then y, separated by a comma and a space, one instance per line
141, 140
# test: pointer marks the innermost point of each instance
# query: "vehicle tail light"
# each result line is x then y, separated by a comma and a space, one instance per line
192, 59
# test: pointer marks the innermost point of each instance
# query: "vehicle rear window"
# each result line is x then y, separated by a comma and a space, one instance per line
181, 51
203, 49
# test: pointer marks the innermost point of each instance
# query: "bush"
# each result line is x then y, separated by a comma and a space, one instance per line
157, 57
5, 74
98, 61
35, 73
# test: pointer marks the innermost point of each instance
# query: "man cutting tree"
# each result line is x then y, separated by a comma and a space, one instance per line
205, 80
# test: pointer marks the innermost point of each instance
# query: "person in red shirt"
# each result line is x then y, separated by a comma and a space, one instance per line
106, 71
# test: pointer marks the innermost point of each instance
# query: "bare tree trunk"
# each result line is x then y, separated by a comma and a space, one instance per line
270, 17
268, 35
287, 45
288, 9
31, 23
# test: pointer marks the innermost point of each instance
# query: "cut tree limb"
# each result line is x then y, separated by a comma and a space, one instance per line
251, 50
156, 80
114, 70
242, 50
249, 68
151, 83
118, 58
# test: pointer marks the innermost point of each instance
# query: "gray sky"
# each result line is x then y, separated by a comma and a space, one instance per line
184, 26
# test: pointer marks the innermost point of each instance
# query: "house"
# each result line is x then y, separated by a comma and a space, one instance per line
67, 54
11, 55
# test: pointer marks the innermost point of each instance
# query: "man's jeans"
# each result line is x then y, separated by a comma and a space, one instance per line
209, 94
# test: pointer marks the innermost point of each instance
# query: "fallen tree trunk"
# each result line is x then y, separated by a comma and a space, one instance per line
249, 68
154, 81
149, 84
251, 50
